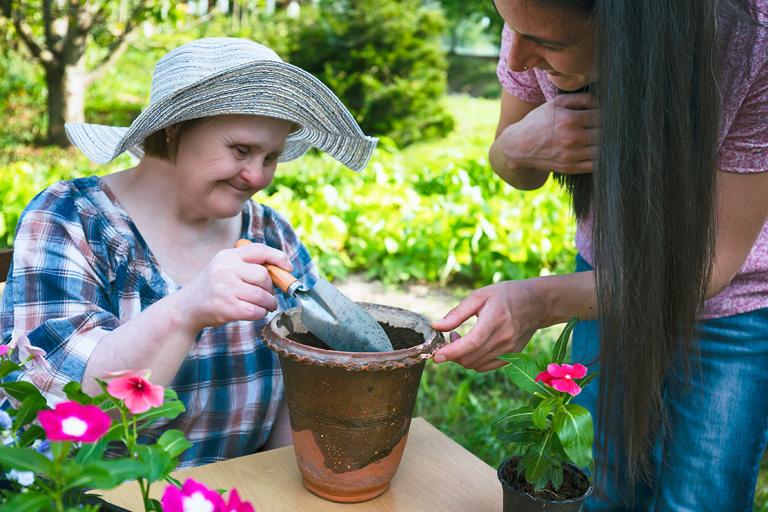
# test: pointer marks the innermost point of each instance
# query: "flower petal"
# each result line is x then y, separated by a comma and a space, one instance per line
172, 499
566, 386
579, 371
544, 377
236, 505
555, 370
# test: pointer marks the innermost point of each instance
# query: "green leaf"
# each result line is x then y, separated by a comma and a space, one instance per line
28, 502
541, 413
573, 425
522, 371
586, 380
514, 418
555, 475
120, 470
28, 410
91, 451
7, 367
76, 394
169, 409
156, 462
173, 442
25, 459
519, 436
31, 434
561, 345
20, 389
535, 461
542, 360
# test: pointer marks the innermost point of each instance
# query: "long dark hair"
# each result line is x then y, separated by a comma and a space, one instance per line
652, 198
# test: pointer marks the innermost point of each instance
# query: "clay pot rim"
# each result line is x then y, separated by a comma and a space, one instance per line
505, 485
370, 361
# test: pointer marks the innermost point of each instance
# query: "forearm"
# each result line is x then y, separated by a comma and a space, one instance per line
158, 339
512, 168
566, 296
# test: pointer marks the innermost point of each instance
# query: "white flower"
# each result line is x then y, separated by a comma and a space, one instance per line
197, 503
25, 478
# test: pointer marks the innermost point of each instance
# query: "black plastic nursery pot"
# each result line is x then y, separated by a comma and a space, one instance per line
517, 500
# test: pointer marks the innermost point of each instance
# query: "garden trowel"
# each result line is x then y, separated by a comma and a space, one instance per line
330, 315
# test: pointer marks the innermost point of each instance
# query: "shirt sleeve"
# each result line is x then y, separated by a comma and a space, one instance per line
745, 149
60, 298
523, 85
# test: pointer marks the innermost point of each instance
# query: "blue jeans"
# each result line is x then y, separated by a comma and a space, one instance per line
708, 458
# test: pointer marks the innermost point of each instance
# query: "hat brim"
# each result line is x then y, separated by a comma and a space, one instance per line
265, 88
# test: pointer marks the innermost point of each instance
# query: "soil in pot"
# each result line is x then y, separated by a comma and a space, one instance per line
399, 336
520, 496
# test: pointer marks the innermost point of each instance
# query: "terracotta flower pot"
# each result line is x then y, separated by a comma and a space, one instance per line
518, 500
350, 411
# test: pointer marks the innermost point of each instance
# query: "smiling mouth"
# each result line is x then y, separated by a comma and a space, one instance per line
239, 189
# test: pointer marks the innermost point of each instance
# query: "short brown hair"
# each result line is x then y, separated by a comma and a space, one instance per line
161, 145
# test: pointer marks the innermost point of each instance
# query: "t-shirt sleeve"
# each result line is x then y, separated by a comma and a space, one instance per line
745, 149
523, 85
60, 299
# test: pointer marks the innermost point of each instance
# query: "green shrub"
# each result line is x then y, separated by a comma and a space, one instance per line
381, 57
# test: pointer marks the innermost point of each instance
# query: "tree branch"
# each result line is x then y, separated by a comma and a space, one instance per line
43, 55
118, 46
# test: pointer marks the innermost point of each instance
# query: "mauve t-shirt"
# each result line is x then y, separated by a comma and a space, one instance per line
742, 146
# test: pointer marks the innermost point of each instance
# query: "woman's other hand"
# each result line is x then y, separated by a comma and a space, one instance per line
234, 285
507, 314
560, 135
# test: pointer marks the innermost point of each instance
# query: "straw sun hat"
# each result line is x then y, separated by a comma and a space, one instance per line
216, 76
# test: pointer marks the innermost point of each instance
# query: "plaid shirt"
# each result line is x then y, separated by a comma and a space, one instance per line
81, 268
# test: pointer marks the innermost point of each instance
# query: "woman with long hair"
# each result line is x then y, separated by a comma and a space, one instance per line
654, 115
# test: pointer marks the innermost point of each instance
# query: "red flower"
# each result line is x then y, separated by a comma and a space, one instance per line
561, 377
4, 349
235, 505
138, 394
192, 497
70, 421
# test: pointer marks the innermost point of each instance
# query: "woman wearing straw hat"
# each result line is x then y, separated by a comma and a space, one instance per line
138, 269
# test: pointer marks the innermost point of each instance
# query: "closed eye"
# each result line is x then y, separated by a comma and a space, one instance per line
242, 151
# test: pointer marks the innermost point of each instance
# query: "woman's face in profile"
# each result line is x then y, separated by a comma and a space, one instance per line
224, 160
556, 40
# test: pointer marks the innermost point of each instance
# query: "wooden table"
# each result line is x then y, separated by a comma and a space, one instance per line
436, 474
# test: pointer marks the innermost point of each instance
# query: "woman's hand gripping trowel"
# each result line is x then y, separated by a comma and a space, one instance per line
330, 315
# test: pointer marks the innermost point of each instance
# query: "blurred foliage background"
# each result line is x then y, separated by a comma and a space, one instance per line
419, 74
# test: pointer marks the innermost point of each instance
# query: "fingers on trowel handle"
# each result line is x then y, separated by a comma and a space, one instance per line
282, 278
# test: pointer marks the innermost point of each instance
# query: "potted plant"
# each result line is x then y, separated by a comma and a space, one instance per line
550, 438
56, 459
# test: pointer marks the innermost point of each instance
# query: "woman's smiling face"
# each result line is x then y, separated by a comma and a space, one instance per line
557, 40
224, 160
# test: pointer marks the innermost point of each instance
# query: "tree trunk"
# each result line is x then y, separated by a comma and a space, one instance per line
66, 97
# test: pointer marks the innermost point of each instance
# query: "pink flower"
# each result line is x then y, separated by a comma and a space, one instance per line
235, 505
561, 377
4, 349
70, 421
192, 497
136, 391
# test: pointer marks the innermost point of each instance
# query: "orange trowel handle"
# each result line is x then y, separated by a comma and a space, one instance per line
282, 278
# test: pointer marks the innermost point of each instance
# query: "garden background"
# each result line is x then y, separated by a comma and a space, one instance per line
426, 221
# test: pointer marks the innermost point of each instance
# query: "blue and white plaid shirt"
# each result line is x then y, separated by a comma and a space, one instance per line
81, 269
